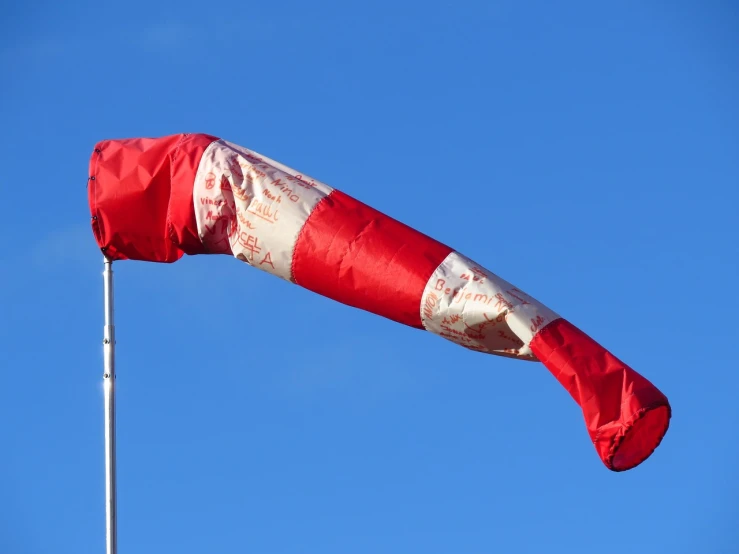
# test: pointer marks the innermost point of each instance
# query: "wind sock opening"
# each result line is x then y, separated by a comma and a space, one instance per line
625, 414
641, 438
140, 197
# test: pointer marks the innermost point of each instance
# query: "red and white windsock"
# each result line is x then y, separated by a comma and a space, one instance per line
158, 199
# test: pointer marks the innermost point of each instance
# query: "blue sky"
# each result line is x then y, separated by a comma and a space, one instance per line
257, 417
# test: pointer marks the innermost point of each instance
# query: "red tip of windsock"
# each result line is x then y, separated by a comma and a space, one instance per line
625, 414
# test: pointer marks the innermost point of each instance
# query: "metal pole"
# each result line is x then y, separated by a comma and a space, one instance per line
111, 527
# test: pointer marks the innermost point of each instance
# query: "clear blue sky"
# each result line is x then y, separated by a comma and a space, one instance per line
257, 417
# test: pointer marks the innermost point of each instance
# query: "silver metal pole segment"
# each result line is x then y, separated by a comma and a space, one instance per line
111, 518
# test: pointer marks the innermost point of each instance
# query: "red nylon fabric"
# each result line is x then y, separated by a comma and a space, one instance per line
361, 257
140, 196
625, 414
141, 200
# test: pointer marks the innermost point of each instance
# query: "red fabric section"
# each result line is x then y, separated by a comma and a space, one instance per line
361, 257
625, 414
140, 196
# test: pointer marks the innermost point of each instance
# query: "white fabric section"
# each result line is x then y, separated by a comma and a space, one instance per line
471, 306
252, 206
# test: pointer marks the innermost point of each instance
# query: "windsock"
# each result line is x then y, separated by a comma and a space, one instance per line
157, 199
